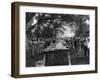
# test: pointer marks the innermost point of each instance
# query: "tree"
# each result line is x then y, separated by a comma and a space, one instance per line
43, 25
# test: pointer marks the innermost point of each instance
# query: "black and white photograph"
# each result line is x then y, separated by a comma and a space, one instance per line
57, 39
52, 39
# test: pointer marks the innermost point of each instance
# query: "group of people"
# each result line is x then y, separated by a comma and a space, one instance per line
73, 44
82, 45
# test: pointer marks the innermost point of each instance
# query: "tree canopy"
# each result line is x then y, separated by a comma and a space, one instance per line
45, 25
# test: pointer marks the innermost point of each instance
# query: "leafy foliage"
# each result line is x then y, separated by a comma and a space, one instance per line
44, 25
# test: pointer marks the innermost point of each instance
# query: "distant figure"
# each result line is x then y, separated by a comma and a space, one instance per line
75, 44
86, 47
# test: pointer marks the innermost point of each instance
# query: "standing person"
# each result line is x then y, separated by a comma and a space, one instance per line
86, 49
75, 44
82, 46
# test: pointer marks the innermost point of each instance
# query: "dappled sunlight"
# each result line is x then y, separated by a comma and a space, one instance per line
69, 31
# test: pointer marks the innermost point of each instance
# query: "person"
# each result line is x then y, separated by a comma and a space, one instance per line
86, 47
75, 44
